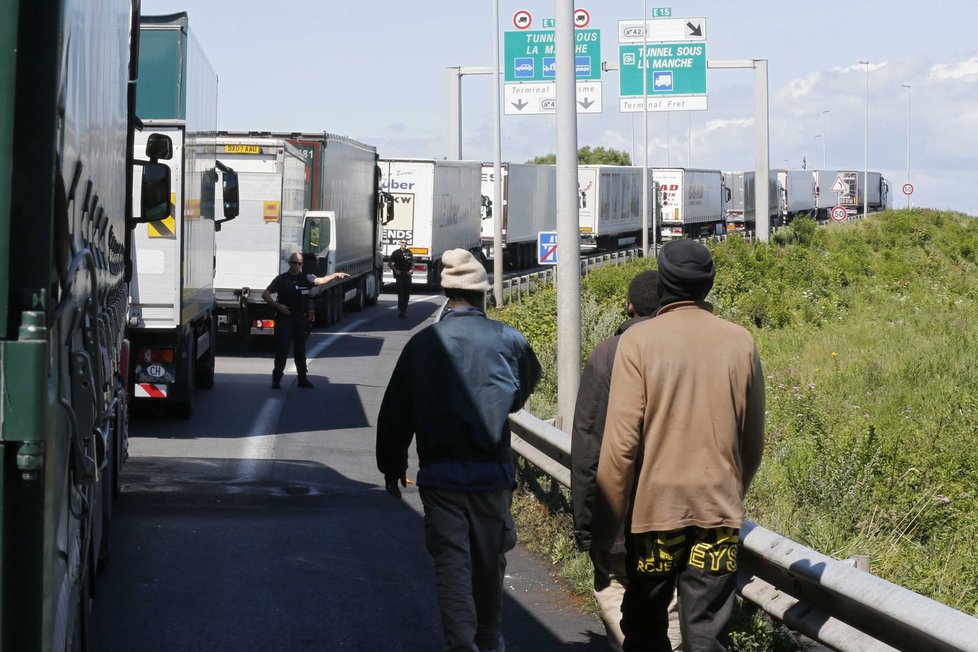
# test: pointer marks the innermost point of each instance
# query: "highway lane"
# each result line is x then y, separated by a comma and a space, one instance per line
261, 523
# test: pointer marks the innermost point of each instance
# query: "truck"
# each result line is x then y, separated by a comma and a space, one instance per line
610, 206
825, 198
171, 323
850, 186
437, 207
66, 150
740, 212
796, 189
250, 252
529, 196
345, 210
692, 202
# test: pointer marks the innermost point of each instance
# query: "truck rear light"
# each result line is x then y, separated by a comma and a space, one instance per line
263, 324
149, 356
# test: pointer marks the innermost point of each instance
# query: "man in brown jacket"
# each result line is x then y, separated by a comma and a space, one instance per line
683, 438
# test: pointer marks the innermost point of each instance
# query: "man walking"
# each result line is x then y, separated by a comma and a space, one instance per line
296, 315
610, 576
453, 387
683, 439
401, 263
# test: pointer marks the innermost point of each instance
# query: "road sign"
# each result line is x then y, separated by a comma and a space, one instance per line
522, 19
840, 185
671, 71
547, 247
533, 98
581, 18
908, 189
662, 30
530, 55
839, 213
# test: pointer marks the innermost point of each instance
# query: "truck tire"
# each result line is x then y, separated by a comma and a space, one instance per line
359, 301
374, 293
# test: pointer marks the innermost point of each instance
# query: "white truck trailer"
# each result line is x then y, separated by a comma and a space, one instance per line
825, 197
171, 323
610, 205
796, 189
268, 229
855, 191
529, 206
740, 212
436, 208
692, 202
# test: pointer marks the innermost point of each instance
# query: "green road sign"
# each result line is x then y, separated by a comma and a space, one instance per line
530, 55
673, 69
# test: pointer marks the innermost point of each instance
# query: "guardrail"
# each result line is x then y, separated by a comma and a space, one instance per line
825, 599
515, 287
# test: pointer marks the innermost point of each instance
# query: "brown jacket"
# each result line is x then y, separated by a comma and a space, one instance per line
685, 426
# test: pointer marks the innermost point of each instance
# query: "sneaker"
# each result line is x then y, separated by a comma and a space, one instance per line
276, 384
304, 383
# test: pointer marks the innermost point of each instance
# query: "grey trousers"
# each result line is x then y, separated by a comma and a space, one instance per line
468, 534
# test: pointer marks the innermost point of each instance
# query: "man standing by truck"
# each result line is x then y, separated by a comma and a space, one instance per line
296, 316
402, 264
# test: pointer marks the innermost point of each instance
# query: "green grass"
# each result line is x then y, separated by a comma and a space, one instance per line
867, 333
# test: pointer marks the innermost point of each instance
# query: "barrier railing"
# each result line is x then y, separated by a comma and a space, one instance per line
825, 599
515, 287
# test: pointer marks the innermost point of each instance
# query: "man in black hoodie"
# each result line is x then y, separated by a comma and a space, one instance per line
589, 416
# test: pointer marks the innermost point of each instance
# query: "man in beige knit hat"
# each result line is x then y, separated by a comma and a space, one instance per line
477, 371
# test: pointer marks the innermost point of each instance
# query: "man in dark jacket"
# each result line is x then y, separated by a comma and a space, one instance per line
454, 386
401, 263
610, 577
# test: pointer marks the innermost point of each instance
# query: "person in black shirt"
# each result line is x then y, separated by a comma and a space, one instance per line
295, 316
401, 263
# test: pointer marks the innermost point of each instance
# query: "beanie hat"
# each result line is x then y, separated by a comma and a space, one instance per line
686, 272
461, 271
643, 293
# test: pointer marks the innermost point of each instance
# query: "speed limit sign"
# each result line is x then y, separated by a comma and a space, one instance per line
839, 213
908, 189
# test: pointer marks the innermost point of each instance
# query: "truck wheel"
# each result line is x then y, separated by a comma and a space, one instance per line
374, 293
359, 301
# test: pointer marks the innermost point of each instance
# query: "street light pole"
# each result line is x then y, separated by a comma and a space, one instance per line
866, 148
824, 137
907, 86
815, 158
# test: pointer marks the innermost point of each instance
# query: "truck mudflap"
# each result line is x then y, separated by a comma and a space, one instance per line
151, 390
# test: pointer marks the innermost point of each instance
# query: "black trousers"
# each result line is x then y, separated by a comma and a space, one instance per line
290, 330
403, 282
702, 565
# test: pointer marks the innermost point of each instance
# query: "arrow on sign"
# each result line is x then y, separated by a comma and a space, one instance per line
694, 30
520, 105
586, 103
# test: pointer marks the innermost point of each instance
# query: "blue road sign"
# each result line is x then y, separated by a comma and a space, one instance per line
547, 247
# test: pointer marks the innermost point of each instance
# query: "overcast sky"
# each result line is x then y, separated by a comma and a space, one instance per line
376, 71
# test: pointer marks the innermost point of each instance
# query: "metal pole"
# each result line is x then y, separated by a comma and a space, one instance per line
645, 134
815, 158
498, 211
824, 137
454, 126
689, 139
762, 163
568, 221
907, 86
866, 148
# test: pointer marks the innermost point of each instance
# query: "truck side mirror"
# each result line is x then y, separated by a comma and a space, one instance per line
159, 146
155, 192
230, 188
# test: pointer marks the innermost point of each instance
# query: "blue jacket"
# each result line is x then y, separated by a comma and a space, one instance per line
454, 386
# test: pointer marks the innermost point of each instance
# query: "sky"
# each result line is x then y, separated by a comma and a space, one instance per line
376, 71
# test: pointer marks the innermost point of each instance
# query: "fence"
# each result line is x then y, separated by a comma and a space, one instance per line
826, 599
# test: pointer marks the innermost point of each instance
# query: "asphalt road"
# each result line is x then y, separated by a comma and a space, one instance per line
262, 524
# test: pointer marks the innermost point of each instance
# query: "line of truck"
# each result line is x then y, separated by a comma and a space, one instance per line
198, 274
